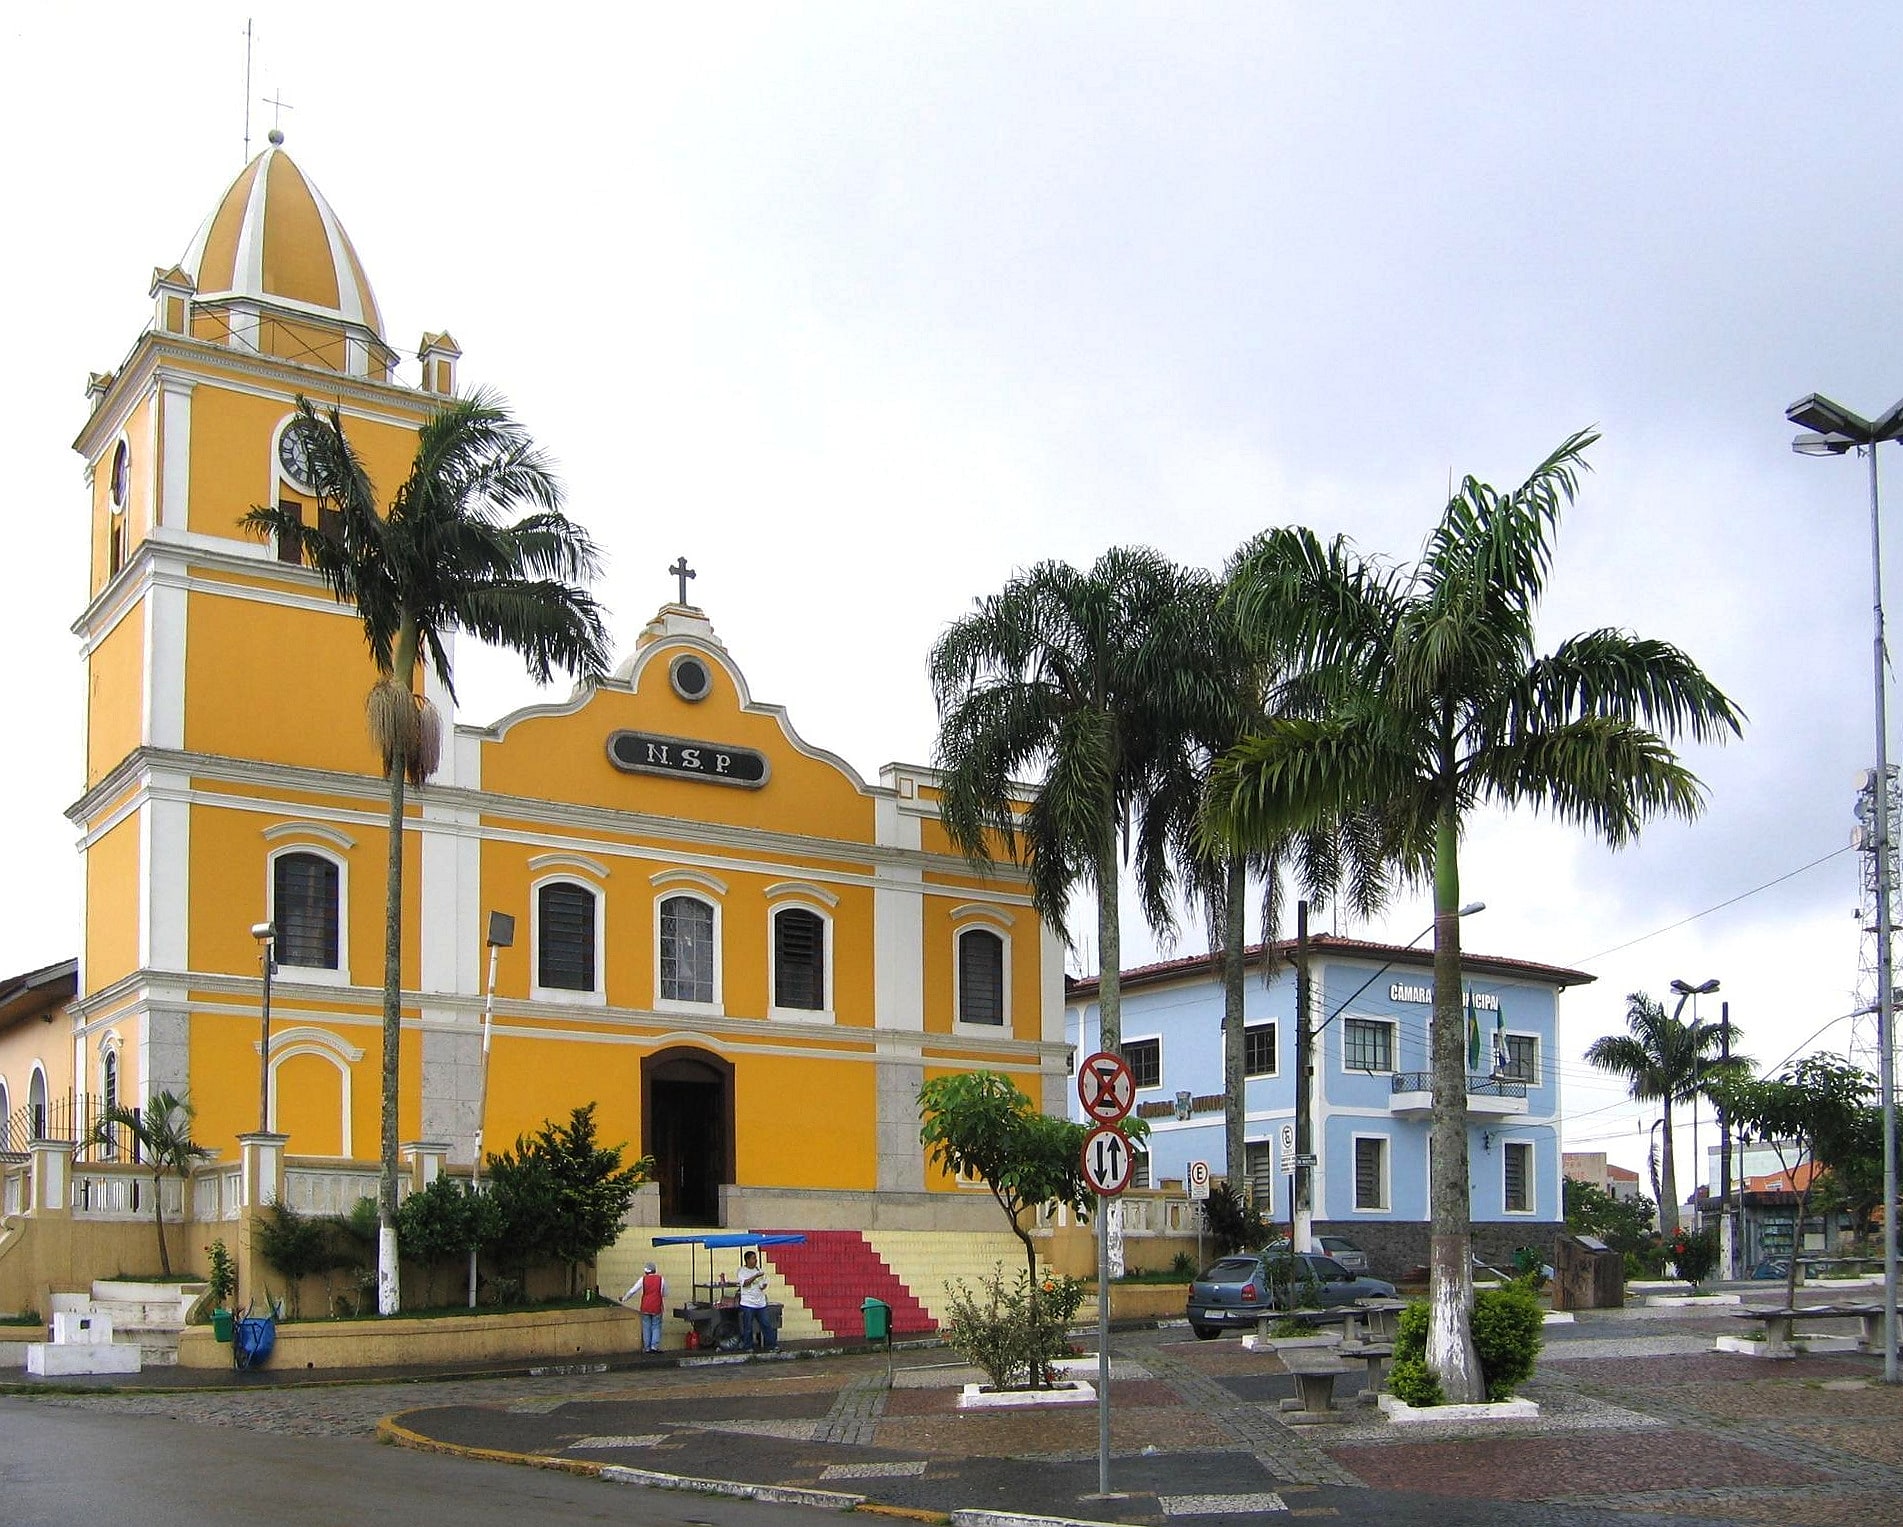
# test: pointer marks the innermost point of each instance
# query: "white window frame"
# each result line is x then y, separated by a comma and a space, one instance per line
309, 843
1162, 1072
1532, 1180
786, 898
36, 1082
708, 891
1386, 1206
980, 919
1539, 1059
1394, 1045
597, 996
111, 1084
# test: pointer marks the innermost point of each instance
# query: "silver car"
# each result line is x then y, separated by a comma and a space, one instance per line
1343, 1251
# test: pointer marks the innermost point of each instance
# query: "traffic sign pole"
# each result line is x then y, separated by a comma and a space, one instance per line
1103, 1344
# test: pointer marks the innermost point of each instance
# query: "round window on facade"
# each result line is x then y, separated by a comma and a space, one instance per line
690, 678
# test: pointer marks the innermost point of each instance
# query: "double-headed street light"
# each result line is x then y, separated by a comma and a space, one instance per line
1832, 431
1686, 991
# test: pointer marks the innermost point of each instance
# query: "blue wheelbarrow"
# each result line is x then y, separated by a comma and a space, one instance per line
252, 1338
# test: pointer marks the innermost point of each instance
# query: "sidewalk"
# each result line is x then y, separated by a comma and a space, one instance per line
1640, 1423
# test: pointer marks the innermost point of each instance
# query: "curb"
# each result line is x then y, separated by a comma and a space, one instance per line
392, 1431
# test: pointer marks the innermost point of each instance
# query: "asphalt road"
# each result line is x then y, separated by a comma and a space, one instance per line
61, 1467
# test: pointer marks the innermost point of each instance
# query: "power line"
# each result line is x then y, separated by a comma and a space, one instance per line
1732, 902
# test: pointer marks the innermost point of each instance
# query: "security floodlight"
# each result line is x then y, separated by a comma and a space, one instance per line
1703, 989
1471, 908
501, 931
1822, 445
265, 932
1821, 414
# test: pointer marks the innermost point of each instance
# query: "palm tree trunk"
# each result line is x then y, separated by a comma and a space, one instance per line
1234, 1083
1668, 1174
1450, 1348
158, 1221
389, 1290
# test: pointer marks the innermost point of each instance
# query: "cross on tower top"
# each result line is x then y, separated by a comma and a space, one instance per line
682, 572
278, 106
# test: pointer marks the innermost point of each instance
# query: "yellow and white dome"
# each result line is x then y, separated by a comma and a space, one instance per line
274, 240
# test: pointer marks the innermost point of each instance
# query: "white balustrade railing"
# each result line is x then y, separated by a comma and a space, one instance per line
13, 1191
126, 1193
331, 1190
1144, 1213
216, 1194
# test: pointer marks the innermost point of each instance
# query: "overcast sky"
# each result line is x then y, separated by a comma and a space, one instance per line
861, 308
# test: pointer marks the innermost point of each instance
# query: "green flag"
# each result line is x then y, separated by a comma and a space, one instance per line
1473, 1035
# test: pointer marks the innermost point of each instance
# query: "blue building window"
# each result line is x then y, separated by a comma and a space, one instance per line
1145, 1059
1258, 1049
1367, 1045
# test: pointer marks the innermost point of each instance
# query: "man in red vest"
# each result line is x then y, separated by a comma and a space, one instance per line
649, 1293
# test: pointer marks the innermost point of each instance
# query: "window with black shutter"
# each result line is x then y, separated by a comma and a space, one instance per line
565, 937
980, 977
290, 547
304, 910
1518, 1161
799, 959
1371, 1171
1258, 1170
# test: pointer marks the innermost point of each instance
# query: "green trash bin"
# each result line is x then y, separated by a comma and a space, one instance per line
221, 1325
878, 1316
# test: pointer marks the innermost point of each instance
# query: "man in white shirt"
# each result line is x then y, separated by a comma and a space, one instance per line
754, 1317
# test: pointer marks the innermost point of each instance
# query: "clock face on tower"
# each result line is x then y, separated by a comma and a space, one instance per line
294, 451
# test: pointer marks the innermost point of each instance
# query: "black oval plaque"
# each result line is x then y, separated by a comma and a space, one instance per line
687, 758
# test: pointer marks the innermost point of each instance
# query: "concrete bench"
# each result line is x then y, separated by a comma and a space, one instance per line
1780, 1322
1315, 1371
1374, 1356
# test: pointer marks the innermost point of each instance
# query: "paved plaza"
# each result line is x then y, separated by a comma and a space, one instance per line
1640, 1422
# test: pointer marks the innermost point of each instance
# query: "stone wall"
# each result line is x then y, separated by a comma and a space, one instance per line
1397, 1248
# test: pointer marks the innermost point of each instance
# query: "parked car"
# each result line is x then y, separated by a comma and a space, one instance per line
1343, 1251
1236, 1290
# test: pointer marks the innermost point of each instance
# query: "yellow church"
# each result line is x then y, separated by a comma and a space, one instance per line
747, 955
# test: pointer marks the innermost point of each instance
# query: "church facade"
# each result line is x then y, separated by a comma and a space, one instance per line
744, 954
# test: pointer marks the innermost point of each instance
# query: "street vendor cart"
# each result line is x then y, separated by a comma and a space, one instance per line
712, 1310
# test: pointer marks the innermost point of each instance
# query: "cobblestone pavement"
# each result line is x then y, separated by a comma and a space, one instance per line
1625, 1401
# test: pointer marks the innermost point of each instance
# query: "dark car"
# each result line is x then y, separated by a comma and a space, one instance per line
1236, 1290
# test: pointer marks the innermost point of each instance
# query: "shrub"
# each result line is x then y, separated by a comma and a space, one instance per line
1012, 1337
1529, 1268
1183, 1265
297, 1246
222, 1281
1506, 1332
1412, 1382
1695, 1252
1234, 1224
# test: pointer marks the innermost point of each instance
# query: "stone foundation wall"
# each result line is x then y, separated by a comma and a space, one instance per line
1397, 1248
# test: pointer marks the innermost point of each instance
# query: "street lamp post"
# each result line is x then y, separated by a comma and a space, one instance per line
1686, 989
501, 935
1301, 1208
267, 936
1832, 431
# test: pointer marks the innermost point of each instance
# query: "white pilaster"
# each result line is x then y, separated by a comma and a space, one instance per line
175, 451
163, 681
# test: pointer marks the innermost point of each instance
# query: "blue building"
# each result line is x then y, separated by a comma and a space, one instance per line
1371, 1004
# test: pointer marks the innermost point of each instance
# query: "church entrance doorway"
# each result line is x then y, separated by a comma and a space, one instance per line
687, 1127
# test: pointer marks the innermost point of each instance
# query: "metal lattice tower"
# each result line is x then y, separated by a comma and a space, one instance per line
1863, 838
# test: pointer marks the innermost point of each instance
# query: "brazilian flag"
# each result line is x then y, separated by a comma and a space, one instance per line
1473, 1035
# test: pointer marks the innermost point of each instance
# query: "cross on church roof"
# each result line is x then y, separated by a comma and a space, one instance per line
683, 572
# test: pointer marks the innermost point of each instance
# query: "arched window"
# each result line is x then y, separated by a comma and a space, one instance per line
6, 1121
799, 959
980, 977
565, 936
689, 954
36, 1106
109, 1098
304, 908
119, 488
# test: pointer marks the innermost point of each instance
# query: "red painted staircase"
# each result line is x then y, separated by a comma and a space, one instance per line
834, 1270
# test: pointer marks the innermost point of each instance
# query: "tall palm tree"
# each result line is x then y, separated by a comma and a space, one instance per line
446, 554
163, 1132
1432, 700
1249, 680
1666, 1060
1072, 676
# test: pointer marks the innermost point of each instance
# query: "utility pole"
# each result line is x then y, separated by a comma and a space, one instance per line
1727, 1221
1301, 1214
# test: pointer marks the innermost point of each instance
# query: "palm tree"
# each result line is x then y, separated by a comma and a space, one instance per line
1431, 700
1073, 675
446, 555
162, 1131
1248, 681
1667, 1060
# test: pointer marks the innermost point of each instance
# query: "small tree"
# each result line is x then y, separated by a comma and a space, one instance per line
436, 1225
561, 1194
163, 1130
1624, 1224
299, 1246
1808, 1116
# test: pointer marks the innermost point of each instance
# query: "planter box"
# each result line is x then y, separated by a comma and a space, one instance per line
554, 1336
1138, 1301
977, 1397
1400, 1413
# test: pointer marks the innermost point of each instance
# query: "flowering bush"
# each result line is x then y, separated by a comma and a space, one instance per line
1695, 1252
1012, 1336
